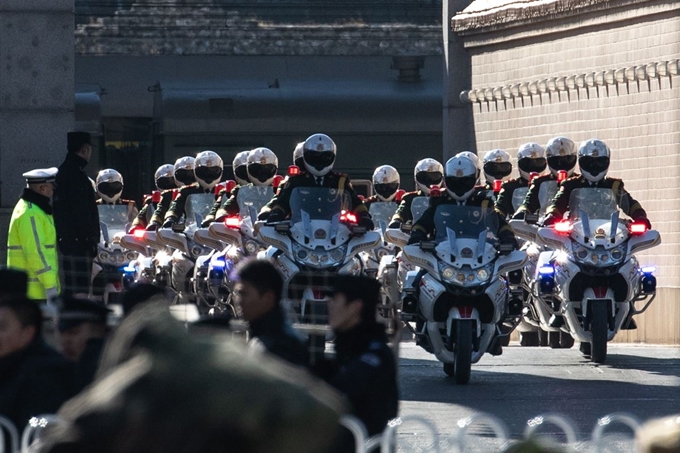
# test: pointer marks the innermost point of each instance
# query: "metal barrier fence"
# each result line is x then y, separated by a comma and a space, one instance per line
411, 434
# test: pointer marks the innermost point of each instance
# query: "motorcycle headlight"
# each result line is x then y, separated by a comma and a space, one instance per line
302, 254
120, 258
251, 247
337, 255
103, 256
130, 256
448, 273
196, 251
581, 253
482, 274
616, 254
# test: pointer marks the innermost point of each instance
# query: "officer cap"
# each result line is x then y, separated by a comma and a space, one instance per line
41, 175
357, 287
75, 311
75, 140
13, 282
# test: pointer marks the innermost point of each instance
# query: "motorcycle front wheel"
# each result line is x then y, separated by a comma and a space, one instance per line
599, 327
463, 352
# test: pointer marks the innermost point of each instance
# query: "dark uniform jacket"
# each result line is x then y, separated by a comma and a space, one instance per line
531, 202
365, 372
279, 338
481, 197
340, 181
76, 218
177, 207
504, 199
403, 213
143, 216
88, 363
162, 207
374, 199
626, 203
215, 212
34, 381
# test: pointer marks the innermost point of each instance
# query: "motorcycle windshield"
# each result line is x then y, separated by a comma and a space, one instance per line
113, 220
382, 212
253, 196
596, 203
546, 193
465, 221
197, 208
418, 206
518, 197
321, 203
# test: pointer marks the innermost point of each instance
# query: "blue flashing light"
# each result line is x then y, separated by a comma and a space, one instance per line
127, 269
546, 270
219, 263
648, 269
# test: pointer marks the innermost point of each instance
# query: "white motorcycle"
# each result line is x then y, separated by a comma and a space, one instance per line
321, 239
592, 279
461, 296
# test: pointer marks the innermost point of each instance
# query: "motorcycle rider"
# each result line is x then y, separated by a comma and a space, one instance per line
560, 153
165, 182
385, 184
110, 188
427, 172
530, 159
207, 171
496, 166
318, 154
184, 176
239, 167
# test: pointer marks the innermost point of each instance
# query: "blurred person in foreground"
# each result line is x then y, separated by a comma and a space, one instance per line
161, 390
34, 378
660, 435
364, 369
258, 293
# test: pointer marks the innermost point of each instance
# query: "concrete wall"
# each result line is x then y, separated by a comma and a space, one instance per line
639, 121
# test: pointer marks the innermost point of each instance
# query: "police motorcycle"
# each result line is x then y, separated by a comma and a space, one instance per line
242, 241
110, 266
181, 240
321, 239
461, 295
592, 279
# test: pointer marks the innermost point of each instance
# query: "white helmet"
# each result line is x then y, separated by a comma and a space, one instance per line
497, 165
386, 182
165, 177
184, 171
239, 167
473, 157
530, 159
460, 176
319, 154
561, 155
298, 160
208, 169
593, 159
428, 172
262, 166
109, 185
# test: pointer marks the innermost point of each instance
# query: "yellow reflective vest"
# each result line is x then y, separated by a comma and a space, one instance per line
32, 247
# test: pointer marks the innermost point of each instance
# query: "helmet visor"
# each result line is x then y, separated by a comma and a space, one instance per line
208, 174
562, 162
386, 190
498, 170
529, 165
319, 160
185, 176
110, 188
262, 172
460, 186
429, 178
594, 165
241, 172
165, 183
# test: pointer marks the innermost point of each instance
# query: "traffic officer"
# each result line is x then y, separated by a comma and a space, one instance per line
184, 176
76, 217
110, 188
530, 159
319, 156
239, 167
207, 171
32, 238
427, 173
560, 153
496, 166
385, 184
165, 182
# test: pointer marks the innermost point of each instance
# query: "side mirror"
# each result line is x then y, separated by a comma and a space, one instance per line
178, 227
406, 227
505, 248
427, 246
358, 231
282, 227
531, 219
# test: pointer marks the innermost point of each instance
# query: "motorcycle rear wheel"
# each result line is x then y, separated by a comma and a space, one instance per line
463, 352
599, 327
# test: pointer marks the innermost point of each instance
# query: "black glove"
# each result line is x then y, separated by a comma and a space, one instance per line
366, 222
519, 215
274, 216
549, 221
153, 226
168, 223
394, 224
206, 223
646, 221
416, 237
508, 244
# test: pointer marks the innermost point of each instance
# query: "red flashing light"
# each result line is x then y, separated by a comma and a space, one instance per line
435, 191
277, 181
637, 228
399, 195
156, 196
361, 197
563, 227
532, 175
349, 217
175, 192
139, 233
233, 222
562, 175
219, 188
229, 185
293, 170
497, 183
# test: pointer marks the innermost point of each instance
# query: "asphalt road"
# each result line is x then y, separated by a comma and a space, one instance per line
643, 381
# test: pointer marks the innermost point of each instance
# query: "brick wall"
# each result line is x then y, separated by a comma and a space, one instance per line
640, 123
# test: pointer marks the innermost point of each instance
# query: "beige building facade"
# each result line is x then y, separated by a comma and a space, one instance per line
590, 69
